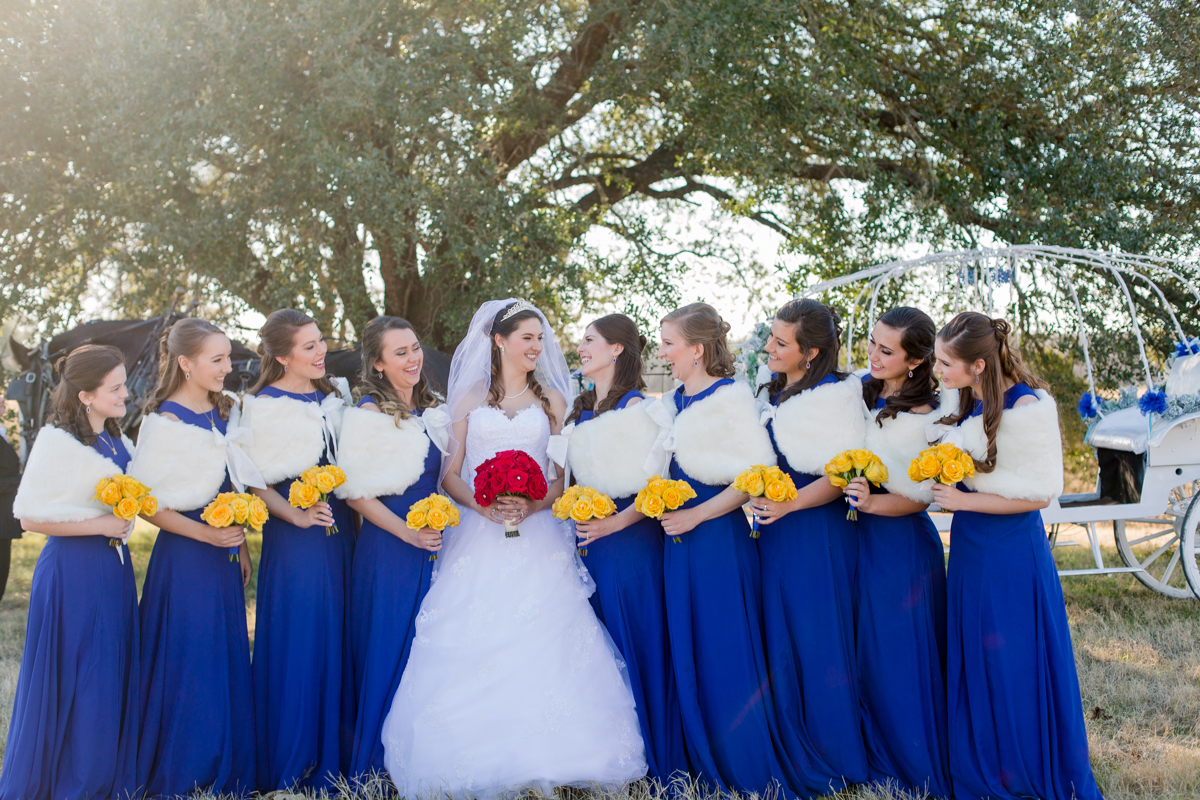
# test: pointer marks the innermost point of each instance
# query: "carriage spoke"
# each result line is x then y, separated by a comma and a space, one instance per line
1166, 578
1154, 535
1154, 556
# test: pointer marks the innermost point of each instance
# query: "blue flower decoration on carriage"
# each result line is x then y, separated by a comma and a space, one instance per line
1153, 402
1089, 406
1187, 347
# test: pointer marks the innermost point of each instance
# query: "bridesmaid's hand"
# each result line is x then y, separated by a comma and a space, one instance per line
676, 523
233, 536
769, 511
594, 529
949, 498
247, 567
859, 492
424, 539
114, 527
318, 514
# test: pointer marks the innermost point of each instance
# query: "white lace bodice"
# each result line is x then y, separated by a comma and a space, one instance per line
490, 431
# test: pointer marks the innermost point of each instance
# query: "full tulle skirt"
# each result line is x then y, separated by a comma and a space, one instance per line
512, 682
901, 586
198, 726
303, 700
1015, 714
628, 570
74, 727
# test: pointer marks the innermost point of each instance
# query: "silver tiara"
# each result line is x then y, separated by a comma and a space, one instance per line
517, 308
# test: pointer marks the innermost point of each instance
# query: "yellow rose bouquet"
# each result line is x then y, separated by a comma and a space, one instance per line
128, 497
762, 480
316, 483
581, 503
435, 511
851, 464
234, 508
663, 494
944, 463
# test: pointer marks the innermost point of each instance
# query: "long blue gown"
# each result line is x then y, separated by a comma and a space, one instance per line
389, 580
714, 622
901, 592
1015, 714
74, 727
628, 570
303, 701
809, 559
198, 725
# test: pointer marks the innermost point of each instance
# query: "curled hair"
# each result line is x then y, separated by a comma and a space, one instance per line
627, 372
276, 340
700, 324
505, 327
917, 333
972, 336
376, 386
815, 325
184, 338
82, 370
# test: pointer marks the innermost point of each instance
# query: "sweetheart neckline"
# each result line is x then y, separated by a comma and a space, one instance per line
504, 413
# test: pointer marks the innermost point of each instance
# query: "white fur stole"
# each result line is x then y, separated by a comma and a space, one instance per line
182, 463
379, 457
59, 483
814, 426
609, 452
720, 436
1029, 464
290, 434
897, 444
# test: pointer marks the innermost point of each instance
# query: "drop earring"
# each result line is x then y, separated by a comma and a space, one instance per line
910, 373
614, 359
696, 363
381, 374
806, 366
87, 410
285, 367
187, 376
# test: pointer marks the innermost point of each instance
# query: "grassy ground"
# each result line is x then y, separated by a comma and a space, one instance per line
1138, 656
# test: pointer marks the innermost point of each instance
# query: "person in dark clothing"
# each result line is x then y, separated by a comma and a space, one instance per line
10, 528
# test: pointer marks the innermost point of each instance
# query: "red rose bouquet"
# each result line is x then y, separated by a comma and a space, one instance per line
510, 472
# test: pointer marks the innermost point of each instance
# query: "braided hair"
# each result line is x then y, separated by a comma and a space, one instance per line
184, 338
82, 370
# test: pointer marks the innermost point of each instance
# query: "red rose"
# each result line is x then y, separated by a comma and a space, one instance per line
516, 480
495, 480
484, 497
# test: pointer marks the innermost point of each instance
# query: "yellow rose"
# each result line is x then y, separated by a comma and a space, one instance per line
258, 514
653, 506
930, 464
131, 487
603, 506
589, 492
777, 491
773, 474
339, 475
436, 519
876, 472
452, 514
840, 464
108, 492
952, 471
581, 510
754, 484
415, 520
914, 471
861, 458
685, 490
672, 498
947, 450
309, 475
220, 516
241, 509
968, 465
127, 508
325, 482
837, 480
303, 495
558, 509
149, 505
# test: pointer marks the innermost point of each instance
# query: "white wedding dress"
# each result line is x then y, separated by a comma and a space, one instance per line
512, 682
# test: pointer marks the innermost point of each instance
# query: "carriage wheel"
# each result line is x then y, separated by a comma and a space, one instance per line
1158, 550
1191, 547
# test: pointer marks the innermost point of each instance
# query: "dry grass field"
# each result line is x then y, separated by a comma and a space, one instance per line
1138, 655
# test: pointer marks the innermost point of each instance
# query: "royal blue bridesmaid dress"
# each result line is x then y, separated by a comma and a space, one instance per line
628, 570
809, 559
1015, 714
389, 580
198, 725
303, 701
714, 622
901, 591
74, 727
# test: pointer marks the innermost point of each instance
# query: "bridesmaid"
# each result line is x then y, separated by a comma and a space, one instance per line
714, 613
74, 725
1015, 716
609, 444
809, 549
193, 609
901, 582
302, 689
391, 461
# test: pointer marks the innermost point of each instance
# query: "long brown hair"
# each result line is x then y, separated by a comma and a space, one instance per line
82, 370
276, 340
184, 338
917, 333
700, 324
627, 374
504, 327
376, 386
971, 336
814, 324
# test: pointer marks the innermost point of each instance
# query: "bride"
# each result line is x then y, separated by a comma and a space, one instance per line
512, 683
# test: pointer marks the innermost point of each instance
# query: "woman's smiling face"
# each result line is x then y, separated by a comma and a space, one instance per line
307, 357
523, 346
401, 358
683, 358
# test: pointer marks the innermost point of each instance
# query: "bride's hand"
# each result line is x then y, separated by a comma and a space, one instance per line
513, 508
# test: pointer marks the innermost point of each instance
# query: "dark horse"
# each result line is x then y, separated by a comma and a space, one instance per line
138, 341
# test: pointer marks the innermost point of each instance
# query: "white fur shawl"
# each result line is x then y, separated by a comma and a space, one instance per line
378, 457
289, 434
897, 444
59, 484
718, 437
1029, 463
182, 463
608, 452
817, 424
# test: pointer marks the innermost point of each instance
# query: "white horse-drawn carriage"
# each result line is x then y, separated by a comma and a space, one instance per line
1153, 441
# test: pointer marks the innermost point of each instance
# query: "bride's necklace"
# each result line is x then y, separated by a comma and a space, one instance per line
518, 394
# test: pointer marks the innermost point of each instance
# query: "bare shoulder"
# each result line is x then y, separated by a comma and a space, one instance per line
371, 407
557, 401
1027, 400
633, 401
168, 415
924, 409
